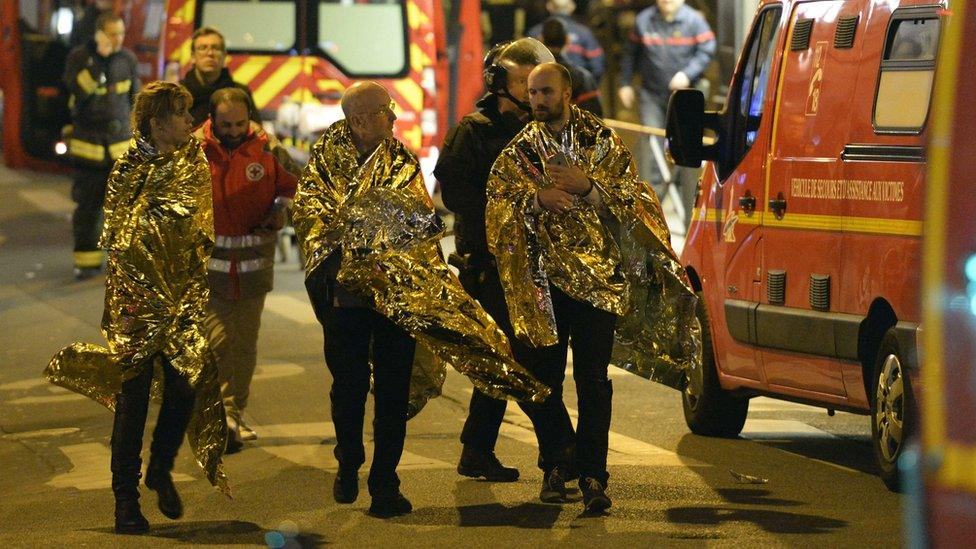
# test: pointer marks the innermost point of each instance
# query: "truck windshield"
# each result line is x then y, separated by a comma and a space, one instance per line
249, 26
364, 38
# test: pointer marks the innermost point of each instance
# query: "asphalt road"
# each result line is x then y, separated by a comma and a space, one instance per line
669, 487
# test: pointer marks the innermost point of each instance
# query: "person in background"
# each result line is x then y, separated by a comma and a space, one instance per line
462, 170
208, 74
586, 91
583, 49
85, 28
103, 79
251, 194
158, 234
669, 49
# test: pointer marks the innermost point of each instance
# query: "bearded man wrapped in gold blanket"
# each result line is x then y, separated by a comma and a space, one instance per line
158, 234
378, 284
584, 257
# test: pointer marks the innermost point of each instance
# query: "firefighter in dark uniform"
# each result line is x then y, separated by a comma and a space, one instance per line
103, 80
462, 171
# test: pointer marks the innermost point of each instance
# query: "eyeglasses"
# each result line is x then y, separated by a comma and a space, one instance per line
207, 48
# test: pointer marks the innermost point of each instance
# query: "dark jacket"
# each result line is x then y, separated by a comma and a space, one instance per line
469, 151
586, 91
102, 90
583, 49
658, 50
201, 93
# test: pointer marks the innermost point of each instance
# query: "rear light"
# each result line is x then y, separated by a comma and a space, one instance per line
428, 121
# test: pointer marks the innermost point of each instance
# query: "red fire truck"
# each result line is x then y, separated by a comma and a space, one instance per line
805, 241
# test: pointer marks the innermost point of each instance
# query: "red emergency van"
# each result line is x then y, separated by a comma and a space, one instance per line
805, 241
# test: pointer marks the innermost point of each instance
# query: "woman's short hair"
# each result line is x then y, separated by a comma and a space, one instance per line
158, 100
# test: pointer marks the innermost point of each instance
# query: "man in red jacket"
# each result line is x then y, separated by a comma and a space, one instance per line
251, 193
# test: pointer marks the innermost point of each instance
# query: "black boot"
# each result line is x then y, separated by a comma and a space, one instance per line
389, 505
485, 464
159, 480
128, 516
345, 489
130, 420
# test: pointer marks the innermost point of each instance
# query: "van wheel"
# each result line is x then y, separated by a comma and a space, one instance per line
893, 410
709, 409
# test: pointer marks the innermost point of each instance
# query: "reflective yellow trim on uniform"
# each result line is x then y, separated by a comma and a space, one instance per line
85, 80
86, 150
89, 259
123, 87
267, 91
116, 150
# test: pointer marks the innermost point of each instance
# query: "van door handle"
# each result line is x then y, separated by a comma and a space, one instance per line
748, 203
778, 205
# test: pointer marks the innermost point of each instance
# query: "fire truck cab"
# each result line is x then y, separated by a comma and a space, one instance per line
805, 241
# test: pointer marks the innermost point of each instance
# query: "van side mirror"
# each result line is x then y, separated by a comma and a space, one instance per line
686, 127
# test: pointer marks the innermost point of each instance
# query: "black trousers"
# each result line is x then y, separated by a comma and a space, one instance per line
131, 409
590, 332
352, 337
88, 192
553, 427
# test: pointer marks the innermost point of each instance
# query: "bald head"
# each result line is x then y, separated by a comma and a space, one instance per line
360, 96
369, 112
550, 89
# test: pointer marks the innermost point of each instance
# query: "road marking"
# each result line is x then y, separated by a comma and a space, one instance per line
775, 429
24, 384
90, 468
273, 370
292, 308
51, 399
59, 432
317, 455
48, 201
765, 404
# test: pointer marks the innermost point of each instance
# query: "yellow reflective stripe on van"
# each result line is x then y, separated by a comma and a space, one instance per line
86, 81
86, 150
123, 87
870, 225
281, 77
811, 222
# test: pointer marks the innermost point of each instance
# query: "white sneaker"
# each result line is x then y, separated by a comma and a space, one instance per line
246, 433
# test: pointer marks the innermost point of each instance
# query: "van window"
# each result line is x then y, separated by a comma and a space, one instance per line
750, 93
252, 26
341, 27
907, 74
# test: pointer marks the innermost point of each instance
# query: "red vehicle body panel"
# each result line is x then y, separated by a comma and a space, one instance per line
949, 337
859, 222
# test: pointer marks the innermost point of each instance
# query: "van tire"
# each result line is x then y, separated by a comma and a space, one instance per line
894, 414
709, 409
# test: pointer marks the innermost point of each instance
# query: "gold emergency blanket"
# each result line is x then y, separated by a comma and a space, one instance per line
158, 234
618, 258
381, 217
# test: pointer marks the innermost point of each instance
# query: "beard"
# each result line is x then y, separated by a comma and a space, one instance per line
544, 114
231, 142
